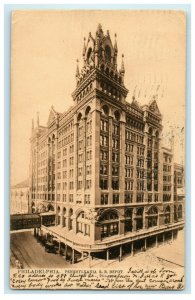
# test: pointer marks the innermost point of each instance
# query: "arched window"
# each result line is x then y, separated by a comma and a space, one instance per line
152, 216
58, 212
116, 116
89, 55
128, 220
50, 207
109, 224
105, 110
33, 207
175, 214
79, 117
139, 218
70, 218
108, 53
64, 217
180, 213
167, 215
87, 111
102, 68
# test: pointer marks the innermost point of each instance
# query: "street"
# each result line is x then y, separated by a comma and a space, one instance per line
26, 249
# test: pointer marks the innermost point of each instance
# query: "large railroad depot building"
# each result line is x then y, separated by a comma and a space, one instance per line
99, 169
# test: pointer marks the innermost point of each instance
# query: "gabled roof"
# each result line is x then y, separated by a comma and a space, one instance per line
52, 115
153, 106
22, 184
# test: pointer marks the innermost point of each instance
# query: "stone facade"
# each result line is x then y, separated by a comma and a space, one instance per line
99, 166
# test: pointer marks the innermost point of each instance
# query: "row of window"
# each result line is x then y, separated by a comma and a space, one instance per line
88, 142
66, 129
167, 178
166, 168
134, 137
65, 141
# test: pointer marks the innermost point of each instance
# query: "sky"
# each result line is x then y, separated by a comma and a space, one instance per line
46, 44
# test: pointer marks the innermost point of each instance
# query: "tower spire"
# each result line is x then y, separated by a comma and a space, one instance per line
84, 47
32, 124
37, 119
99, 30
122, 70
77, 69
115, 44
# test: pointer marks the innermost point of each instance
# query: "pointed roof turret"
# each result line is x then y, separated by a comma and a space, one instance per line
115, 44
77, 69
84, 47
37, 119
32, 124
122, 70
99, 30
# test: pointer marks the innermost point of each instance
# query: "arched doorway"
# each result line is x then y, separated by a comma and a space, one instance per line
109, 224
58, 215
139, 218
64, 217
152, 216
128, 220
70, 219
167, 215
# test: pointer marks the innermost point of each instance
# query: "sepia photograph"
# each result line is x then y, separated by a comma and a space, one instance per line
97, 162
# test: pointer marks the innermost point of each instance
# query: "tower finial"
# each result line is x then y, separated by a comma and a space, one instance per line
84, 47
115, 44
37, 119
32, 124
122, 70
99, 30
77, 69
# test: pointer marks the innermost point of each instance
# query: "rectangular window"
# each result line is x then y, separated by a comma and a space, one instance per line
80, 171
115, 171
115, 184
87, 199
88, 168
103, 155
104, 184
71, 198
103, 140
115, 157
80, 158
104, 125
116, 129
104, 199
115, 199
103, 169
128, 198
128, 185
80, 184
80, 146
140, 198
64, 151
115, 143
88, 184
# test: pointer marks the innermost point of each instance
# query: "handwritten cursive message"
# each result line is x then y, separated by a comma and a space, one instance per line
97, 279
